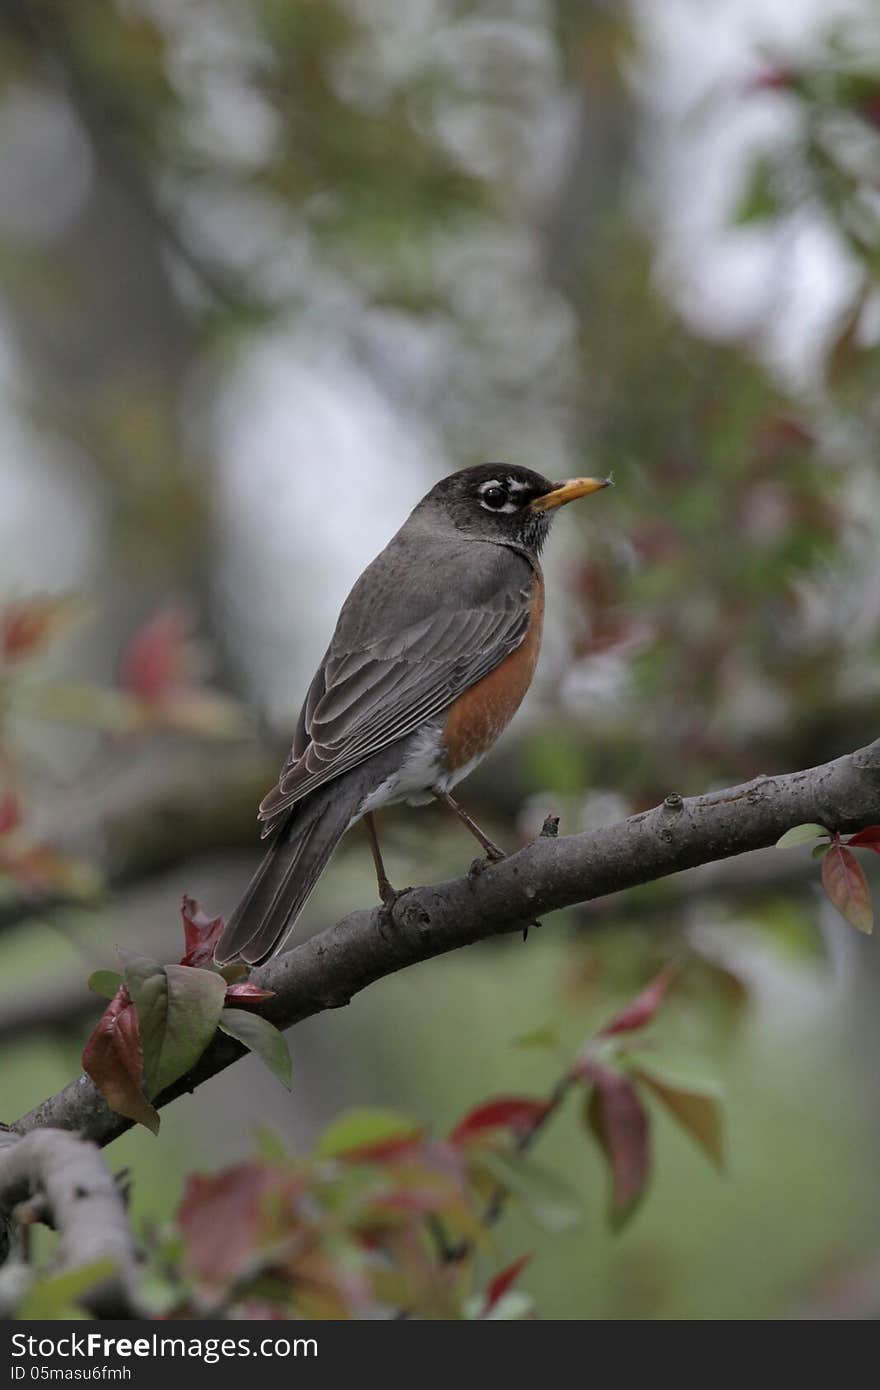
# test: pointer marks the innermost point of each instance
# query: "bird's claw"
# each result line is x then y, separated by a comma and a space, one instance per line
479, 866
390, 898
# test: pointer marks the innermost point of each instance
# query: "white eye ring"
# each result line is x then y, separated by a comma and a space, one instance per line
494, 485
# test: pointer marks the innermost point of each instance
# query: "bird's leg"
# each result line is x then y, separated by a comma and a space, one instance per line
387, 894
492, 850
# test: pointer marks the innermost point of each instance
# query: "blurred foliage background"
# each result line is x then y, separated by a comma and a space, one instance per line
271, 268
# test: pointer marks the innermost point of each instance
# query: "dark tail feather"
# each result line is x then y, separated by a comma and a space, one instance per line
283, 883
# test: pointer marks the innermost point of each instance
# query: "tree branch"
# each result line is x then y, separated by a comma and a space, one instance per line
70, 1005
82, 1202
326, 971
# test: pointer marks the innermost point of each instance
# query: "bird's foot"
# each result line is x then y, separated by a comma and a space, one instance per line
479, 866
494, 853
390, 897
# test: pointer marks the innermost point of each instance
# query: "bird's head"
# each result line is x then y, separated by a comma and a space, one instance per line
504, 503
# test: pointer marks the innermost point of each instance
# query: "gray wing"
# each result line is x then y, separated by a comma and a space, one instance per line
382, 677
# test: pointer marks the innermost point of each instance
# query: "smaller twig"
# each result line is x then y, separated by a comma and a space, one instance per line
494, 1210
549, 831
122, 1180
524, 1141
447, 1253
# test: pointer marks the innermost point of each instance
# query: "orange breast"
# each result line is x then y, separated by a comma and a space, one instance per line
483, 712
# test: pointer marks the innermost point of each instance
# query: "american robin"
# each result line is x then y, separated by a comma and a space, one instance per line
435, 647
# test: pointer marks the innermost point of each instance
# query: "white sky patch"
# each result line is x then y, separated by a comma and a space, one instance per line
49, 516
316, 473
49, 522
782, 285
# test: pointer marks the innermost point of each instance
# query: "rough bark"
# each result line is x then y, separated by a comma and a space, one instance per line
78, 1196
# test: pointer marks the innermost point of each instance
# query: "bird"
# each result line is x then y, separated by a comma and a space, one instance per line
433, 652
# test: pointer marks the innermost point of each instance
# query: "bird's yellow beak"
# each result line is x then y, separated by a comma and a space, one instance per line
568, 492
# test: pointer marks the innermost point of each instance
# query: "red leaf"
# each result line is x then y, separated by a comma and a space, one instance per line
227, 1218
417, 1202
869, 838
870, 109
24, 628
114, 1058
246, 993
29, 626
430, 1178
517, 1113
643, 1009
201, 933
38, 870
620, 1123
503, 1282
10, 813
160, 658
779, 433
387, 1150
847, 887
775, 79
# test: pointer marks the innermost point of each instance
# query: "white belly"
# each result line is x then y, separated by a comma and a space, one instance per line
419, 775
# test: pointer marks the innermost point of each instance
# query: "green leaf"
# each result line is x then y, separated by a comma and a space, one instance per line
758, 201
697, 1111
109, 710
262, 1037
819, 851
57, 1297
515, 1306
553, 1203
136, 966
365, 1129
105, 982
547, 1035
801, 835
678, 1066
178, 1008
270, 1146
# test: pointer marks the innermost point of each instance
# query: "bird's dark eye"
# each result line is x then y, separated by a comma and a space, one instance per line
495, 497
